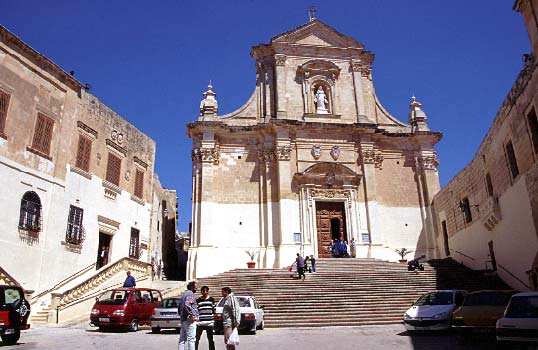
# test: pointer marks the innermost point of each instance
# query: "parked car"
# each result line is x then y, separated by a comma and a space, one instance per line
165, 315
14, 313
124, 307
520, 321
433, 311
251, 314
481, 310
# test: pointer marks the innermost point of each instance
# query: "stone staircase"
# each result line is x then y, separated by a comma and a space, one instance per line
346, 292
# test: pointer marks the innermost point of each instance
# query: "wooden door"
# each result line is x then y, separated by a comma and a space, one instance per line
331, 224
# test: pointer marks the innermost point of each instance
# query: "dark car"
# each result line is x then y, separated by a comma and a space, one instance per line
14, 313
124, 307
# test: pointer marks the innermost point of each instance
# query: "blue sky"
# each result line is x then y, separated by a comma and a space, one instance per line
151, 61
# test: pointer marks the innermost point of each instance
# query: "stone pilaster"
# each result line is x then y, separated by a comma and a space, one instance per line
369, 185
359, 93
280, 68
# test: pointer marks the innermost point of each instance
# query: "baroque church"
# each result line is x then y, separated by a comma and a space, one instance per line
310, 157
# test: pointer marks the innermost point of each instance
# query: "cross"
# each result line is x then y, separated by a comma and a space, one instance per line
312, 13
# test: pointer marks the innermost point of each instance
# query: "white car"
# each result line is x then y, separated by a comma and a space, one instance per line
251, 314
165, 315
433, 311
520, 321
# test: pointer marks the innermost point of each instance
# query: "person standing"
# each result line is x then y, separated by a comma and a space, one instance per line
102, 258
188, 315
300, 266
353, 248
206, 309
130, 281
313, 263
231, 315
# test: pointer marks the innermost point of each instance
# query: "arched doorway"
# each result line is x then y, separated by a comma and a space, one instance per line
331, 224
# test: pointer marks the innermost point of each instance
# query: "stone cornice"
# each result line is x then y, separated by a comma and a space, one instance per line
117, 147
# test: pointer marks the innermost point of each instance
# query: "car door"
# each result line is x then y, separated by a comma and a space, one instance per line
135, 306
257, 311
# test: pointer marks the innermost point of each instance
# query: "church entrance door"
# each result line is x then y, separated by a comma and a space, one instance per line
331, 224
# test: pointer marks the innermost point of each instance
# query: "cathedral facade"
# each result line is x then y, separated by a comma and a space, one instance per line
312, 156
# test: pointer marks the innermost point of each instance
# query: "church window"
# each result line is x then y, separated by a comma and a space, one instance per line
43, 134
139, 184
84, 151
30, 212
533, 126
75, 232
512, 161
134, 245
4, 104
113, 169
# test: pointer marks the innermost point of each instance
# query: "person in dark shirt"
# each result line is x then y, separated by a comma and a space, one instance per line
313, 263
130, 281
300, 266
206, 309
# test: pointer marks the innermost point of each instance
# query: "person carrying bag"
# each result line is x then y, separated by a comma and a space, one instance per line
231, 317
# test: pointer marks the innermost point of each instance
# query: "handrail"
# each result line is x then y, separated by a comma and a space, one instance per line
465, 255
62, 282
513, 276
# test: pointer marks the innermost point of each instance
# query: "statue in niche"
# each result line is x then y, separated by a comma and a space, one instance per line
321, 101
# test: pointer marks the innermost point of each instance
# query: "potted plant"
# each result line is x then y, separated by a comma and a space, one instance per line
252, 254
402, 252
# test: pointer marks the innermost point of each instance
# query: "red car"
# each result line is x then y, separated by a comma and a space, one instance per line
124, 307
14, 312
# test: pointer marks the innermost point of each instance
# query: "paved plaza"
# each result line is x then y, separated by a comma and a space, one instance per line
391, 337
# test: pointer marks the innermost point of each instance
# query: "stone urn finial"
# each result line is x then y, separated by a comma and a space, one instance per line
417, 117
209, 105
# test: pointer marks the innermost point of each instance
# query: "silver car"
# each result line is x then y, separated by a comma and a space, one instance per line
165, 315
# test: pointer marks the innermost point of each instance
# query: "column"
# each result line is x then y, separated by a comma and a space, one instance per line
280, 68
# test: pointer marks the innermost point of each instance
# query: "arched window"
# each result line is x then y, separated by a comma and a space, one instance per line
30, 214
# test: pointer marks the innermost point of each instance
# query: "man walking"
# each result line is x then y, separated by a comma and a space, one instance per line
231, 315
130, 281
313, 263
206, 309
300, 266
188, 314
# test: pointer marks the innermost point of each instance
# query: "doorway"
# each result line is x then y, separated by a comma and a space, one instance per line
331, 224
103, 250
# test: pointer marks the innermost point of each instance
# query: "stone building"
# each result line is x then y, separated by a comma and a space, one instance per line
487, 216
77, 179
311, 156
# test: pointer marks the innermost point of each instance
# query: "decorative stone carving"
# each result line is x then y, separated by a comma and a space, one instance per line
206, 155
127, 176
209, 105
427, 162
316, 151
330, 177
372, 156
284, 152
116, 136
363, 68
280, 60
417, 117
335, 152
268, 156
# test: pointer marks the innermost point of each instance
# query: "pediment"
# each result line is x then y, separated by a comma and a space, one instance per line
317, 33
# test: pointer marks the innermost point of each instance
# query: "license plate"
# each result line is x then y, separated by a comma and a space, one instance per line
104, 319
10, 331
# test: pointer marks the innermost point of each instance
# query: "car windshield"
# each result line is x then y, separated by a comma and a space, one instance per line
523, 307
172, 303
113, 297
436, 298
491, 299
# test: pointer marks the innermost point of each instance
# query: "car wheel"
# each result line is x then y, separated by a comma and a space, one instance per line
155, 329
262, 325
133, 327
11, 339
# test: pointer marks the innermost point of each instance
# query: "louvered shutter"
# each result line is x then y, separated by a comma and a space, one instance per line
113, 169
83, 153
4, 104
139, 183
43, 134
38, 134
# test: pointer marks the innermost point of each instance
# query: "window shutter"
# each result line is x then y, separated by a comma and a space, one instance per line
113, 169
4, 103
43, 134
139, 183
83, 153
